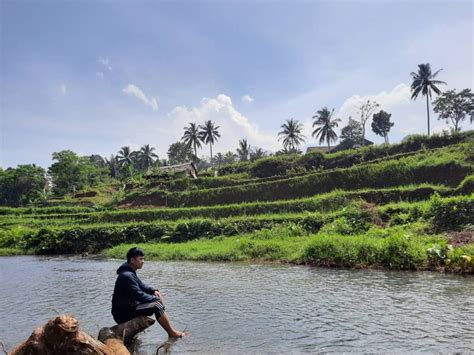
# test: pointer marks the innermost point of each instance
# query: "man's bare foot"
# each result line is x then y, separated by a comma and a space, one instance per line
177, 334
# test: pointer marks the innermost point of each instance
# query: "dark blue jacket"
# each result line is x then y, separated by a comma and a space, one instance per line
129, 290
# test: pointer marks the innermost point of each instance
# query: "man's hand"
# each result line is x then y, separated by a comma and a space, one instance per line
160, 296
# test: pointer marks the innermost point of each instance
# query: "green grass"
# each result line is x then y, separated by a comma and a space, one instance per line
323, 203
394, 248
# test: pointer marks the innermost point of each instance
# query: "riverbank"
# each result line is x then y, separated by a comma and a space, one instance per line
391, 248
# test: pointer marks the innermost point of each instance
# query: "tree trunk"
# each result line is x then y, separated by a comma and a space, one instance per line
61, 335
210, 146
428, 112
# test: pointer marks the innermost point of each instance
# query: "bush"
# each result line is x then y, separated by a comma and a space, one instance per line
385, 174
270, 167
466, 187
451, 213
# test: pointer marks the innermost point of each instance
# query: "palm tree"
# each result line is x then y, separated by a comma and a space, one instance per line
113, 165
243, 150
219, 159
325, 131
229, 157
423, 82
257, 153
209, 134
191, 137
125, 156
146, 157
291, 134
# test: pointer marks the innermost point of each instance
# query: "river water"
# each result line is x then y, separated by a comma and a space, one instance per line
234, 308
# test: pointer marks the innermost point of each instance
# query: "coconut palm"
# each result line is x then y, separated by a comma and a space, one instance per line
113, 166
229, 157
243, 150
208, 134
325, 131
191, 137
291, 134
126, 157
146, 157
423, 81
257, 153
219, 159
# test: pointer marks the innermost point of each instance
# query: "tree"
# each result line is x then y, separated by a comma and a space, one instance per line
288, 151
423, 81
97, 160
146, 157
352, 132
191, 137
219, 158
113, 166
454, 107
209, 134
126, 157
243, 150
23, 185
229, 157
381, 124
70, 173
291, 134
325, 131
257, 153
179, 153
365, 112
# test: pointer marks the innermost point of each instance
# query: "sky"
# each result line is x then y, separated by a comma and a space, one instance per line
94, 76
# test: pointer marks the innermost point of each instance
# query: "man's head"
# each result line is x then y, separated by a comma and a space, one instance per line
135, 258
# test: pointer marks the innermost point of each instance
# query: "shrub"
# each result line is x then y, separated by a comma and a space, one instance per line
270, 167
451, 213
466, 187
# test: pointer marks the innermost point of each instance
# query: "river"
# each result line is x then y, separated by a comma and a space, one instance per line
234, 308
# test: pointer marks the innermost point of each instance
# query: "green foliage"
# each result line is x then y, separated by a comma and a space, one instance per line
454, 107
347, 158
448, 168
22, 186
451, 213
71, 173
466, 187
270, 167
381, 124
179, 153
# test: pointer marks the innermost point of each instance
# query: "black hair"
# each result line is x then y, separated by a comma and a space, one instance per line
133, 252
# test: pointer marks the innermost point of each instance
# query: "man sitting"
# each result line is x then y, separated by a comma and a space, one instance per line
132, 298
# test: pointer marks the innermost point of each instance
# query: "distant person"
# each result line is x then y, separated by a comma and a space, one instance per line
132, 298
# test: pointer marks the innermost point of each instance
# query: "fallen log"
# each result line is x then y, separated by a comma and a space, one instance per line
61, 335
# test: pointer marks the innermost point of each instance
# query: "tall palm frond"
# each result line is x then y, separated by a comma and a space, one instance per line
191, 137
325, 131
209, 133
423, 81
291, 134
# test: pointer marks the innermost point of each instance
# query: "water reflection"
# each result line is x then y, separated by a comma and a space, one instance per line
241, 308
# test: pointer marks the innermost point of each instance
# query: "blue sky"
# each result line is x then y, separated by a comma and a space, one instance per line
93, 76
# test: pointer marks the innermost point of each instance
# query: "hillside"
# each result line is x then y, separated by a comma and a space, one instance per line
405, 206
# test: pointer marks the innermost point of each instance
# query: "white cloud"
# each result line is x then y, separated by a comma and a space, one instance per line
233, 125
409, 116
63, 89
133, 90
105, 62
247, 98
400, 94
100, 74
